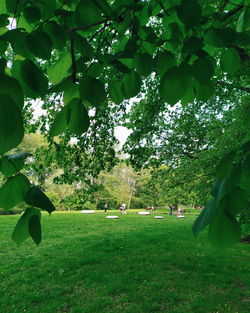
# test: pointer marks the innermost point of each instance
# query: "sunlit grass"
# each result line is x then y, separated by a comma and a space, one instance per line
89, 264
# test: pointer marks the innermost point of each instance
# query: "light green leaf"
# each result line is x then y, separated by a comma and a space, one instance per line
35, 197
13, 191
34, 78
60, 123
21, 231
11, 124
79, 119
59, 70
13, 163
230, 61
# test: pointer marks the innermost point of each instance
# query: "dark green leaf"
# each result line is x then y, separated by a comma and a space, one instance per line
171, 88
57, 34
190, 13
192, 44
224, 230
32, 14
164, 61
11, 124
143, 64
35, 197
230, 61
35, 228
92, 90
115, 92
13, 191
79, 119
87, 13
21, 231
34, 78
39, 43
203, 91
7, 85
131, 85
203, 69
220, 37
11, 5
225, 164
13, 163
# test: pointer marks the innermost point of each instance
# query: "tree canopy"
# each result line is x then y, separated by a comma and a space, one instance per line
187, 64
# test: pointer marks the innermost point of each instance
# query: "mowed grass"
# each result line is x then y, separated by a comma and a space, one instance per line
89, 264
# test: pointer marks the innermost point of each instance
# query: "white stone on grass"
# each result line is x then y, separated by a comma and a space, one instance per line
157, 216
143, 213
112, 216
181, 216
87, 211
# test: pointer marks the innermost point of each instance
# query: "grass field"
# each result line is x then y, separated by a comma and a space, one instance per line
89, 264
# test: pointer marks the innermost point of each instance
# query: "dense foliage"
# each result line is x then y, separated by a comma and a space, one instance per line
85, 59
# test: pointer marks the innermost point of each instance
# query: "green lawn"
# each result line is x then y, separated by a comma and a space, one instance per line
137, 264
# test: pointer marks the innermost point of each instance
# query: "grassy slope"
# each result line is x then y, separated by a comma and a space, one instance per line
88, 264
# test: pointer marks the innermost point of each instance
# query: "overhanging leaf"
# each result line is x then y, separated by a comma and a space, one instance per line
13, 191
224, 230
230, 61
34, 78
21, 231
92, 90
59, 70
11, 124
35, 197
131, 85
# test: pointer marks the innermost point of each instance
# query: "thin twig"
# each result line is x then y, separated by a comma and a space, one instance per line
73, 58
88, 26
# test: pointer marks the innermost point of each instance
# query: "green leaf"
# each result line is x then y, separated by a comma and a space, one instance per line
171, 88
144, 63
60, 123
13, 191
87, 13
13, 163
39, 44
131, 85
79, 119
73, 117
115, 92
224, 230
205, 217
11, 5
7, 85
35, 228
35, 197
192, 44
21, 231
11, 124
34, 78
95, 70
92, 90
32, 14
203, 91
243, 23
230, 61
203, 69
190, 13
225, 165
57, 34
163, 62
71, 93
220, 37
59, 70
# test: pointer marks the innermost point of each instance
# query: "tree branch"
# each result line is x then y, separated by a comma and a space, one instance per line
73, 58
88, 26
